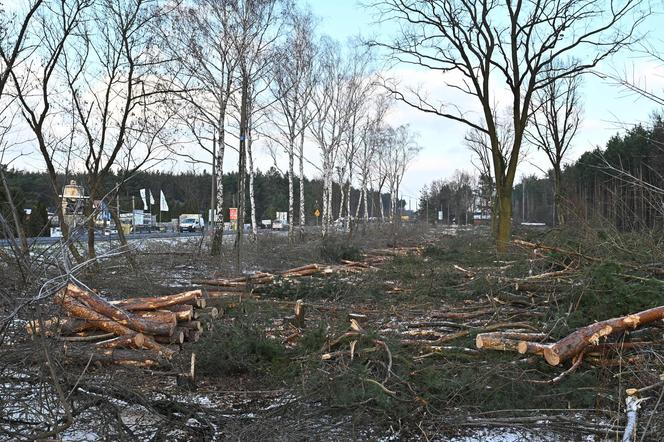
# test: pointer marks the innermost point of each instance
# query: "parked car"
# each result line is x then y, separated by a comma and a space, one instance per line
192, 224
279, 224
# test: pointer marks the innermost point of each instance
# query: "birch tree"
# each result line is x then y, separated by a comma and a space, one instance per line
200, 40
331, 120
292, 87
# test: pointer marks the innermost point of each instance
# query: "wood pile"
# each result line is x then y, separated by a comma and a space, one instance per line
139, 332
253, 282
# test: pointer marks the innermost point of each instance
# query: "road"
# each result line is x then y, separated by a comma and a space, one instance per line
114, 237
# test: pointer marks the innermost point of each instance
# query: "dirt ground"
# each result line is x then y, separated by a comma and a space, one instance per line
406, 368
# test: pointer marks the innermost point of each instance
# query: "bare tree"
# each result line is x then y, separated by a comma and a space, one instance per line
331, 120
401, 148
556, 114
13, 50
200, 40
489, 43
258, 24
38, 84
292, 87
111, 73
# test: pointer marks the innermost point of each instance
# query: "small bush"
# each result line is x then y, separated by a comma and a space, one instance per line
335, 250
237, 350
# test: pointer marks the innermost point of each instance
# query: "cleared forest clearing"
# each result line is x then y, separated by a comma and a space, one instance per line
379, 339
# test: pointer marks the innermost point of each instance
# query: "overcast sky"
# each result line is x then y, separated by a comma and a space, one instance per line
607, 109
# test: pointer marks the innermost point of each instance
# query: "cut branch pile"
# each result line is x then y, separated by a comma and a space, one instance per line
139, 332
259, 279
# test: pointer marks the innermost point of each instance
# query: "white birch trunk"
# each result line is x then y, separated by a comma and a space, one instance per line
302, 214
291, 189
252, 200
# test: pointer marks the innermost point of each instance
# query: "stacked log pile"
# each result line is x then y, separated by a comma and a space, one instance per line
139, 332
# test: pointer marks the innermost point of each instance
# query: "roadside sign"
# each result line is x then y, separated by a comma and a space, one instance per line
233, 217
317, 213
440, 215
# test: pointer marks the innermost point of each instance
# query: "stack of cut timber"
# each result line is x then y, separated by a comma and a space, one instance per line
143, 332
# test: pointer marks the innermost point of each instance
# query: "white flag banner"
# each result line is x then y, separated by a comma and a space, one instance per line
163, 205
145, 203
151, 198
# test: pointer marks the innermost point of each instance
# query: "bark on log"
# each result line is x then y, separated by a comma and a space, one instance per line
192, 325
163, 316
301, 268
577, 341
176, 338
104, 323
535, 348
158, 302
182, 312
64, 326
494, 341
136, 340
120, 356
119, 315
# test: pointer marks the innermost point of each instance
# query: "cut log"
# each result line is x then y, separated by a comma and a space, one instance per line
136, 340
200, 303
219, 283
163, 316
87, 337
577, 341
104, 323
176, 338
63, 326
495, 341
119, 356
158, 302
301, 268
208, 312
192, 325
182, 312
119, 315
535, 348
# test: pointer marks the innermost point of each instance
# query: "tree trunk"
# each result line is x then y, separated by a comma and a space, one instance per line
504, 220
123, 240
302, 214
23, 241
218, 236
91, 225
291, 189
252, 198
557, 196
242, 170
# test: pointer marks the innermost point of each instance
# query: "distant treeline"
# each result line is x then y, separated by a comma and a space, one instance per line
622, 184
185, 192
